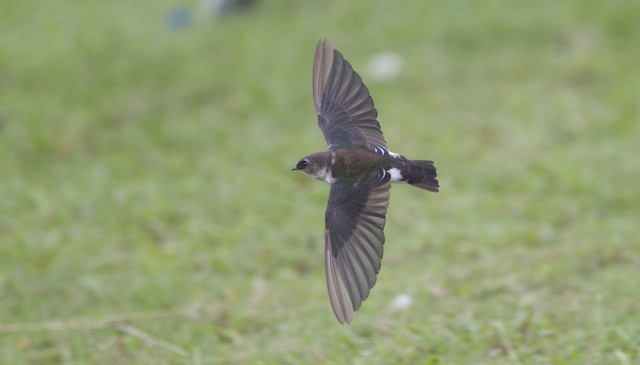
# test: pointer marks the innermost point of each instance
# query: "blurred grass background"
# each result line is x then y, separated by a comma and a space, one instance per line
148, 214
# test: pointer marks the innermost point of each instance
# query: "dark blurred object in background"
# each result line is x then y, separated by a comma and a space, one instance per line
226, 7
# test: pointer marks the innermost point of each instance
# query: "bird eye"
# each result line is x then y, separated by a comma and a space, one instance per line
303, 164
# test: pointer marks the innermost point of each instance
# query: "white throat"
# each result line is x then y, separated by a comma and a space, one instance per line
325, 174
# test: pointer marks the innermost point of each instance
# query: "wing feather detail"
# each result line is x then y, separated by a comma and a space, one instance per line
345, 110
354, 238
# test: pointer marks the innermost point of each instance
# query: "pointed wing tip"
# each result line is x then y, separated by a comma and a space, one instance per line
323, 50
338, 295
345, 321
344, 316
325, 43
322, 61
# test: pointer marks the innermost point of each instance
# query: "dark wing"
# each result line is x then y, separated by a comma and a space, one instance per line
354, 236
345, 110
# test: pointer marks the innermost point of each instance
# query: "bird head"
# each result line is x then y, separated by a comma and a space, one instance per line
317, 165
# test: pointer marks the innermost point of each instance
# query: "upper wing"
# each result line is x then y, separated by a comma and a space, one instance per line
354, 236
345, 110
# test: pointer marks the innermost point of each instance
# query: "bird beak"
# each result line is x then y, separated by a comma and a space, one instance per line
294, 169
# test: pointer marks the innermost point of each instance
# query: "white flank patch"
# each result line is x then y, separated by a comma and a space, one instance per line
395, 174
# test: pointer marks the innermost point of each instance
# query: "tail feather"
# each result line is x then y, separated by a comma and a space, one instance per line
422, 174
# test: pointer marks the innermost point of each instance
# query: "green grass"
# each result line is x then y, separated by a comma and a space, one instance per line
148, 214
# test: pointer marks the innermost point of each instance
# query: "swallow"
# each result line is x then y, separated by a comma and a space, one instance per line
360, 169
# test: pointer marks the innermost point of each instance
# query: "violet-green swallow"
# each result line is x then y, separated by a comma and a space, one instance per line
360, 168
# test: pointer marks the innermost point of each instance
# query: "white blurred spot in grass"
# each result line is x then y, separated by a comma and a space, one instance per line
400, 302
385, 66
258, 290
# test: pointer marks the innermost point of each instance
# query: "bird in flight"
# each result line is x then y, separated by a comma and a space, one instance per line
359, 168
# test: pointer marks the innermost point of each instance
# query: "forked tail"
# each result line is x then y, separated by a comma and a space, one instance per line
422, 174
